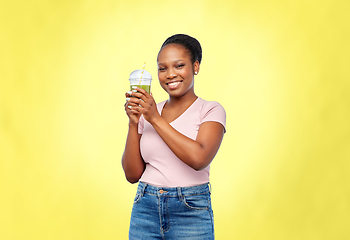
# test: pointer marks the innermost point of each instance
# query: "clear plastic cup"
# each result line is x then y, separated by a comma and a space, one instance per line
144, 82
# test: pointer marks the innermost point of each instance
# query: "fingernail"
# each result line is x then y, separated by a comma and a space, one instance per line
134, 90
129, 107
127, 99
129, 92
134, 87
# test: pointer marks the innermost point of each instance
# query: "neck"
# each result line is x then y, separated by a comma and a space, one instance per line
186, 99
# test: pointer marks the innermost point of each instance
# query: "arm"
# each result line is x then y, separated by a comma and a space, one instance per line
198, 153
132, 162
195, 153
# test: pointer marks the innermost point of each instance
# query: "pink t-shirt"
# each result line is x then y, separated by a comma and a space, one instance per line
163, 167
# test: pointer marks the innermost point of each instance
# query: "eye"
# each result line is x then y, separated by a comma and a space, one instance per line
180, 65
161, 69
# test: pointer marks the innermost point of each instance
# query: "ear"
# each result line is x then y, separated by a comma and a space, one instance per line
196, 67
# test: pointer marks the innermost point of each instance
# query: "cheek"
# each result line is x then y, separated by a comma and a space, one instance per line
188, 73
161, 77
161, 80
162, 84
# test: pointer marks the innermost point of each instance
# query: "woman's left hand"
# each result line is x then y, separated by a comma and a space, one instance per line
145, 104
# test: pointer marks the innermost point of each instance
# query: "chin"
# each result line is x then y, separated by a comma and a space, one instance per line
176, 94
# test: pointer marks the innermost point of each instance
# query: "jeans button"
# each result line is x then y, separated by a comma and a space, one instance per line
161, 191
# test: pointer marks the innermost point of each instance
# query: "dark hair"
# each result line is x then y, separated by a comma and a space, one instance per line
191, 44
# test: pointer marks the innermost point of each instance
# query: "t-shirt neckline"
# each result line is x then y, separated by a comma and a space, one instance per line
163, 104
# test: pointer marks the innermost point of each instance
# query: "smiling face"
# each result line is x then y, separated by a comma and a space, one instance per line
175, 70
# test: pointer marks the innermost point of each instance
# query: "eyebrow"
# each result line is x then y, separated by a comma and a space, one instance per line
179, 60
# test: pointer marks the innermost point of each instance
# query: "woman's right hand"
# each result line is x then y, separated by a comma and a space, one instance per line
134, 116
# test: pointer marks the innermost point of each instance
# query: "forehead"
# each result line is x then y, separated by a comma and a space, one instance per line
173, 52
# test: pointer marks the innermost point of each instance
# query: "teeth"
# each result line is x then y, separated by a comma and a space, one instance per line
174, 84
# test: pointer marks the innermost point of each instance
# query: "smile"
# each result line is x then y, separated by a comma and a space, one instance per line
174, 85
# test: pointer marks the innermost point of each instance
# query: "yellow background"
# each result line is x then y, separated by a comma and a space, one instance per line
280, 68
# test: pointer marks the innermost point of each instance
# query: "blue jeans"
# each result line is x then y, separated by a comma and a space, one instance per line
172, 213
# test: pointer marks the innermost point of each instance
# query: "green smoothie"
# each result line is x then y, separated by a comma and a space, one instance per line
142, 79
145, 87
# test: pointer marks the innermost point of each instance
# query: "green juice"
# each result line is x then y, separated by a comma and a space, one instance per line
145, 87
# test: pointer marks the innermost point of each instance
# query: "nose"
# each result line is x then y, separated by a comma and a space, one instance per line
171, 73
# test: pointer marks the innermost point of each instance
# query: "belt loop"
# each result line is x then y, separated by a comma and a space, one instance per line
179, 193
143, 189
210, 189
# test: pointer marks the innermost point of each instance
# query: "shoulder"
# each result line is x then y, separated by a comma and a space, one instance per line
212, 111
207, 106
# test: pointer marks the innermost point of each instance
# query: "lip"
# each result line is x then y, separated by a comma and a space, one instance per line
174, 84
173, 81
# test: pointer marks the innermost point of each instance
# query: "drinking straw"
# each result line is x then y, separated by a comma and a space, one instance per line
143, 69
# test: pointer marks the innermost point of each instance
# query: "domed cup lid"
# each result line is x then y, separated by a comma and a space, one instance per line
138, 73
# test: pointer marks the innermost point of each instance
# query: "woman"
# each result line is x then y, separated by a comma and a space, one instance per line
169, 148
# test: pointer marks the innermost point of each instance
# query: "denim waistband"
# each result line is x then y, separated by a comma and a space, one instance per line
173, 191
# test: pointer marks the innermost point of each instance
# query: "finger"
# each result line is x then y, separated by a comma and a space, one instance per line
132, 99
136, 102
134, 109
137, 97
130, 93
134, 94
127, 104
141, 90
132, 104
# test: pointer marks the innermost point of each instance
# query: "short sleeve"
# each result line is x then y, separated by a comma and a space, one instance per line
141, 125
213, 112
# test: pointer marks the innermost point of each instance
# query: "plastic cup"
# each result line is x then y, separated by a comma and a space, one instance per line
141, 80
